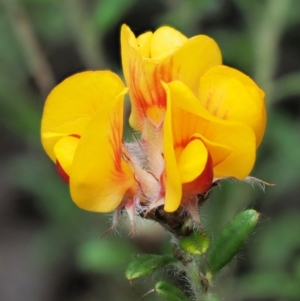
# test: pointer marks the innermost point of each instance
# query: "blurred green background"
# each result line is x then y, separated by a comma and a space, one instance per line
50, 249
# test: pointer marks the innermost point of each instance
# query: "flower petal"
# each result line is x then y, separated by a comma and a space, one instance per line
144, 43
71, 105
146, 92
99, 176
190, 118
172, 181
231, 95
64, 151
192, 160
191, 61
200, 184
165, 41
219, 152
182, 59
185, 127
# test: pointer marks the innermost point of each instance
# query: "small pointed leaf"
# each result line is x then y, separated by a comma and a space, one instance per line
170, 292
146, 264
231, 239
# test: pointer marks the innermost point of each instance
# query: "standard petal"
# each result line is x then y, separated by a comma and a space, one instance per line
174, 58
146, 93
190, 118
99, 176
165, 41
231, 95
71, 105
172, 181
191, 61
144, 43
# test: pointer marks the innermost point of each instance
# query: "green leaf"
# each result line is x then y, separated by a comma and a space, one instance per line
197, 243
231, 239
146, 264
170, 292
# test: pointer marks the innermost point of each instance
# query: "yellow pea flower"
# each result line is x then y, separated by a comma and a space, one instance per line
199, 120
82, 129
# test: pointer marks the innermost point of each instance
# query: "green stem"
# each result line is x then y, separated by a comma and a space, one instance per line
198, 282
193, 274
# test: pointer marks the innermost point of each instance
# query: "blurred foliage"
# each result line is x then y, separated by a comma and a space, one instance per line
44, 41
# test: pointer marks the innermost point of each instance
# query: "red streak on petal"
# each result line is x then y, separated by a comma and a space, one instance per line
146, 88
162, 191
75, 135
159, 76
62, 173
166, 70
115, 141
137, 96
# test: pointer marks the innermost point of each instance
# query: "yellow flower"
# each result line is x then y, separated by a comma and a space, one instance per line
199, 121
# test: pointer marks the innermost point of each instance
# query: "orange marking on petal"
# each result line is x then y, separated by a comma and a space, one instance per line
75, 135
137, 97
147, 94
160, 92
115, 138
171, 71
99, 176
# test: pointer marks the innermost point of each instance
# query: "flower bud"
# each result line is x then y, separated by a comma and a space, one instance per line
197, 243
